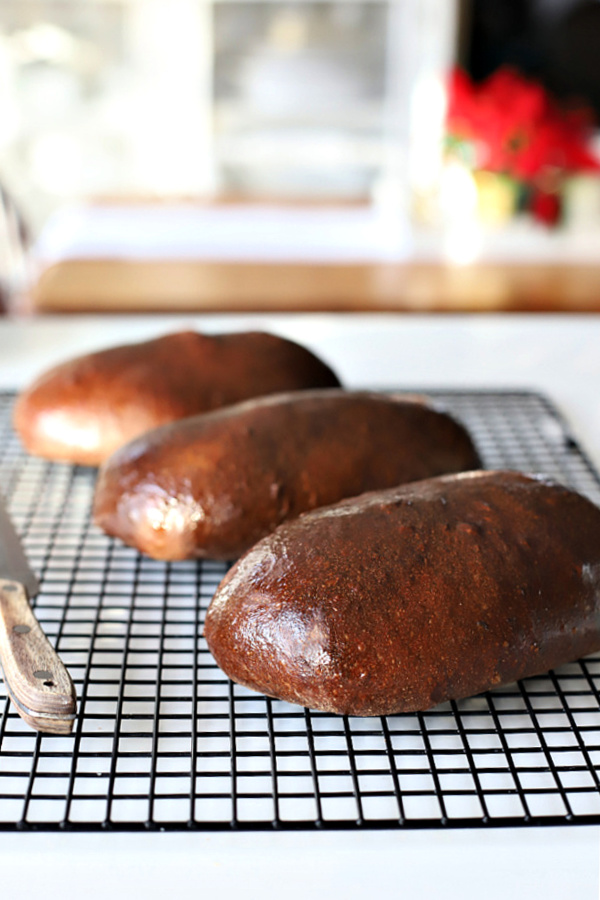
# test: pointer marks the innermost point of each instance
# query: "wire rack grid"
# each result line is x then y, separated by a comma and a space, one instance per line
163, 740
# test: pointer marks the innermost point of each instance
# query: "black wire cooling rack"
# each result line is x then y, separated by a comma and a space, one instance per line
164, 741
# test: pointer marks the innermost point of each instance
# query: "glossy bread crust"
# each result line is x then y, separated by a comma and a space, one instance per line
83, 410
401, 599
213, 485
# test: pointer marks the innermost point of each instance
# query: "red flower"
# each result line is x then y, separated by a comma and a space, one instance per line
545, 208
514, 126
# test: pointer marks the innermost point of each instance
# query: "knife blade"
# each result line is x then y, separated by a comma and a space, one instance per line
36, 679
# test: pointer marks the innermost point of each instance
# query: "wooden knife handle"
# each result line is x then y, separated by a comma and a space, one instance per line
36, 679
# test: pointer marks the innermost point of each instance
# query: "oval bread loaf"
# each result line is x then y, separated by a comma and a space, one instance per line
212, 485
83, 410
401, 599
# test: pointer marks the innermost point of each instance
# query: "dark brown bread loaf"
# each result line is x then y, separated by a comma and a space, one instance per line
83, 410
401, 599
212, 485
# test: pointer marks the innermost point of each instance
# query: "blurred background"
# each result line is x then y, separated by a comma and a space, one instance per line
258, 154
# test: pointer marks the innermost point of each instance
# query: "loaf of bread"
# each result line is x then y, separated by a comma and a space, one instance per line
401, 599
212, 485
83, 410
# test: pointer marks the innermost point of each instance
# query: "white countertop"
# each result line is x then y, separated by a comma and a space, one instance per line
556, 355
267, 233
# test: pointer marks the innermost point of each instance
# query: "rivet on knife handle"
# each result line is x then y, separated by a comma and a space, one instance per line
36, 679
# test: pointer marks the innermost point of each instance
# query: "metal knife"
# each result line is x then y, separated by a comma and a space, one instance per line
36, 680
